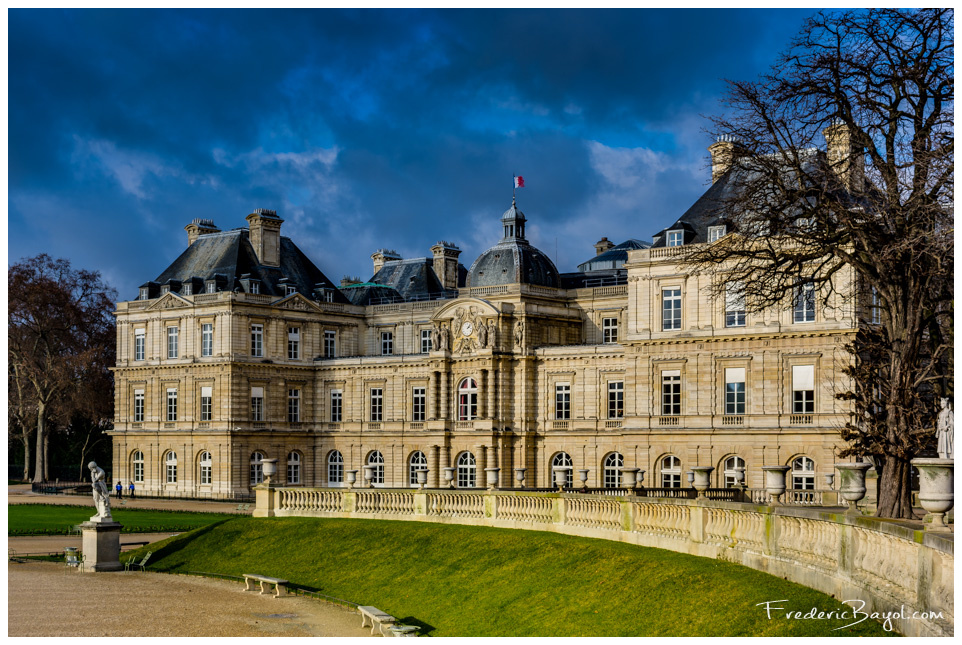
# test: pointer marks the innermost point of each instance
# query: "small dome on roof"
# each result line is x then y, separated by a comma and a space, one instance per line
513, 259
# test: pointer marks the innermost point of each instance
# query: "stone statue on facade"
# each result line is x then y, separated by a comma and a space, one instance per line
519, 334
100, 491
492, 334
482, 335
443, 337
944, 429
436, 338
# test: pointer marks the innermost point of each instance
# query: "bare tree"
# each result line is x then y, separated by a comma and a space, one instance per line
867, 221
61, 342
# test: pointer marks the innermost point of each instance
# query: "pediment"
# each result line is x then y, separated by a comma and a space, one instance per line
468, 308
170, 301
296, 302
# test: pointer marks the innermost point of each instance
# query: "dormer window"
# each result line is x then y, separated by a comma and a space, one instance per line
255, 286
144, 295
715, 233
676, 238
289, 290
328, 295
188, 289
164, 289
211, 286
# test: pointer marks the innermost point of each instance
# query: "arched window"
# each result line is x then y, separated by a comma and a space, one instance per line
170, 464
416, 463
562, 459
137, 459
730, 474
257, 468
376, 459
671, 472
294, 467
467, 400
611, 469
206, 468
467, 471
803, 474
335, 468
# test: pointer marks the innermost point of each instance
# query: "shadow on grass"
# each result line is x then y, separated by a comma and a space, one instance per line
411, 620
176, 543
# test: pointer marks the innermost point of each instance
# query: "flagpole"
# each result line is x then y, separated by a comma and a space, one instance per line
514, 187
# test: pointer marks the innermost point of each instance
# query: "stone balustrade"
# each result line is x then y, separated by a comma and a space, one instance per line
892, 567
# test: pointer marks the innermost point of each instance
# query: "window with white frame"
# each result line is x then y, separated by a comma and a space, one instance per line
327, 295
138, 462
172, 336
138, 406
140, 343
293, 343
611, 470
257, 468
467, 400
734, 390
144, 293
377, 404
387, 343
561, 460
257, 404
172, 404
609, 330
211, 287
294, 467
206, 402
804, 310
335, 468
207, 339
255, 286
671, 392
187, 289
735, 304
875, 307
376, 459
206, 468
418, 461
165, 289
257, 340
467, 471
289, 290
676, 238
670, 308
616, 399
730, 472
715, 233
426, 342
562, 401
803, 389
337, 402
671, 472
329, 343
170, 467
293, 405
418, 404
803, 474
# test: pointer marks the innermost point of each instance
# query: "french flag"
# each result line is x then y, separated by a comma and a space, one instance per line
518, 181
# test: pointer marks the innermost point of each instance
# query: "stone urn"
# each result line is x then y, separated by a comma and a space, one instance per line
830, 481
519, 475
702, 479
851, 483
449, 475
270, 469
629, 478
641, 478
561, 477
775, 481
936, 480
583, 477
491, 476
740, 477
369, 475
422, 475
351, 478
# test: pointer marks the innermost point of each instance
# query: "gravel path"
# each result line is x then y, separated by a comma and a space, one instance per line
45, 599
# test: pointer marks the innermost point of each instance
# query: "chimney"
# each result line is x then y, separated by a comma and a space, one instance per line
199, 227
381, 256
723, 154
265, 236
844, 155
446, 264
603, 245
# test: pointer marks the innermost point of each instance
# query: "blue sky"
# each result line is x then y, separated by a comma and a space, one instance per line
363, 128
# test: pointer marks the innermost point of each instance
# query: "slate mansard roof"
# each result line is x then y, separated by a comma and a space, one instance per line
513, 259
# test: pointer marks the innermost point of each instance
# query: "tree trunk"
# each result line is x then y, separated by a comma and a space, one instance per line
40, 467
895, 489
25, 438
46, 456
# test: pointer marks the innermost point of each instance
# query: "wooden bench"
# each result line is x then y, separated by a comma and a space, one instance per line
377, 618
280, 586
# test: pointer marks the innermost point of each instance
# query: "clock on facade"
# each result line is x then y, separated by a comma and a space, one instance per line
467, 328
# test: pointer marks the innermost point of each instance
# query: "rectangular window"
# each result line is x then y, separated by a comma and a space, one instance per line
337, 401
387, 343
144, 295
418, 404
257, 404
140, 342
377, 404
803, 389
289, 290
293, 405
257, 340
211, 287
876, 309
734, 390
562, 401
172, 404
671, 392
734, 304
616, 399
609, 330
671, 308
172, 334
293, 343
205, 472
165, 289
207, 339
138, 470
327, 295
138, 406
676, 238
805, 303
187, 289
329, 344
255, 286
426, 343
715, 233
206, 403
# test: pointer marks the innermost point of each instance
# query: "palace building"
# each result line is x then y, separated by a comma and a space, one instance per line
243, 350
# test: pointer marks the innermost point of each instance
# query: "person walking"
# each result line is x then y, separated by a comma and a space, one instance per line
120, 490
130, 489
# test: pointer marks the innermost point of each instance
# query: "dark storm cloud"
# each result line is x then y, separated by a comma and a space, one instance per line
363, 128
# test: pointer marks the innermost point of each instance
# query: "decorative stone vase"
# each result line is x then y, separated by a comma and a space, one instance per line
851, 483
583, 477
270, 469
351, 478
641, 478
561, 477
936, 479
702, 479
519, 475
830, 481
422, 475
369, 475
775, 481
629, 478
691, 477
491, 476
449, 475
740, 476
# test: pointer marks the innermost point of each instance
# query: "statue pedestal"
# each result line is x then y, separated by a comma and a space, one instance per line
101, 545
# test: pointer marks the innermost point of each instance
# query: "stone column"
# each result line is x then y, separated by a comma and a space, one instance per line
481, 457
482, 399
434, 467
491, 387
433, 396
444, 395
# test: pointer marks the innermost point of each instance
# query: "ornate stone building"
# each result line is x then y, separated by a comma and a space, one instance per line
242, 350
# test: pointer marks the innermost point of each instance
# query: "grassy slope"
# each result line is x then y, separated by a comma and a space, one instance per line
27, 519
477, 581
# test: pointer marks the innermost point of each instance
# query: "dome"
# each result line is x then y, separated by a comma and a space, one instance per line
513, 259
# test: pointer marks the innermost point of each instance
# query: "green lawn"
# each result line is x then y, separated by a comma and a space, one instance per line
478, 581
46, 519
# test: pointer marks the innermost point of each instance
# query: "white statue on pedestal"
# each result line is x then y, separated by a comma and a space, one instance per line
944, 429
101, 493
